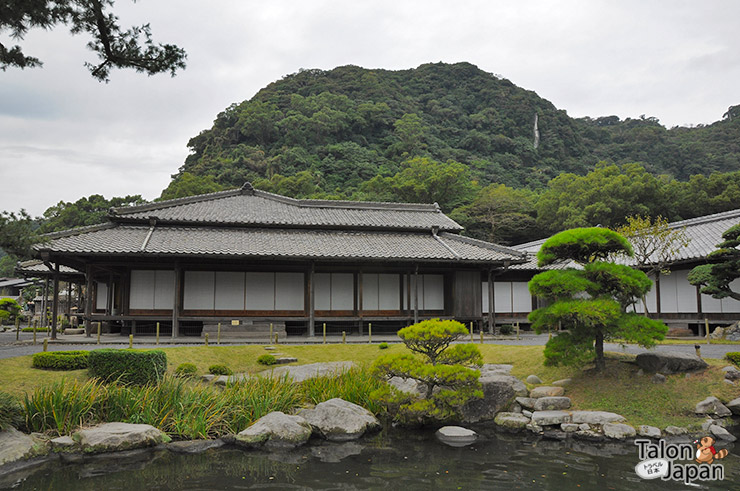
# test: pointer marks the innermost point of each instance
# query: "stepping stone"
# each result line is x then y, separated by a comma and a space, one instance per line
456, 436
534, 380
551, 403
538, 392
712, 405
285, 359
270, 348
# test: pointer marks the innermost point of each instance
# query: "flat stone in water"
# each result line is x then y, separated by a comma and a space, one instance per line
596, 417
456, 436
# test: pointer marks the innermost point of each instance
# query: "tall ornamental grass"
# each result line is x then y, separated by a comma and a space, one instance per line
64, 406
176, 406
354, 385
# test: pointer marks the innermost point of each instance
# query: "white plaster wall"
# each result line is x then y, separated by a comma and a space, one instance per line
521, 299
229, 290
342, 291
199, 290
322, 291
141, 293
434, 292
289, 291
260, 291
101, 298
388, 292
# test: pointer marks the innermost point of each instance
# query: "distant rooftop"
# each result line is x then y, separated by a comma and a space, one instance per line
250, 207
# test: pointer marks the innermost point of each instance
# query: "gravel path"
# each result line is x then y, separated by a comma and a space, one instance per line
10, 348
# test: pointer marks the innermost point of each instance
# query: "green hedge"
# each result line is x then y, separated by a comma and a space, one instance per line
734, 357
219, 370
60, 360
186, 370
136, 367
267, 360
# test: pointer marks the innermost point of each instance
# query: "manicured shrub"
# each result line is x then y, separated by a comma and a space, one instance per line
383, 346
266, 360
127, 366
506, 329
30, 329
734, 357
11, 411
60, 360
186, 370
219, 370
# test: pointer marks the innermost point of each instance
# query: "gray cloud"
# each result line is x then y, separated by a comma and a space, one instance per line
64, 135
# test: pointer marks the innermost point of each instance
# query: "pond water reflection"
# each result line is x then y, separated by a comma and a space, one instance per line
390, 460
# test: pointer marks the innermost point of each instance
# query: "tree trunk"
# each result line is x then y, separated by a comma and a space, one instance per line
600, 362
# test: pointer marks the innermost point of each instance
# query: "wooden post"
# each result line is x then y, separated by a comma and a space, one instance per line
34, 333
88, 300
416, 294
471, 331
177, 304
44, 303
206, 338
481, 335
277, 339
706, 326
311, 303
272, 336
370, 332
130, 341
517, 330
491, 306
218, 333
324, 332
344, 337
157, 332
98, 332
17, 327
46, 344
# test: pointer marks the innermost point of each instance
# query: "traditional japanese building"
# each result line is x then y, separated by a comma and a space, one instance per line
244, 259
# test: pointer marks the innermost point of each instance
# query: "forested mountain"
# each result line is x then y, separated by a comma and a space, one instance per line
500, 160
348, 125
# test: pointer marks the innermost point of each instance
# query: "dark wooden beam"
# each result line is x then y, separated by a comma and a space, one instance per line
177, 302
491, 305
55, 302
312, 302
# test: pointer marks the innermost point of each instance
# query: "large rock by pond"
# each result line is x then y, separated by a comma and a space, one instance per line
511, 421
734, 406
113, 437
712, 405
649, 431
275, 430
547, 418
338, 420
670, 362
595, 417
499, 391
618, 431
721, 433
551, 403
15, 445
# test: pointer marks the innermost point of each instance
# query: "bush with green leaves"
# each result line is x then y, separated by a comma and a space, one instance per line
589, 303
506, 329
186, 370
128, 366
734, 357
219, 370
267, 360
60, 360
11, 411
383, 346
445, 372
30, 329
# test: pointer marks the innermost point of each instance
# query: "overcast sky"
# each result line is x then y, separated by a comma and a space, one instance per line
64, 135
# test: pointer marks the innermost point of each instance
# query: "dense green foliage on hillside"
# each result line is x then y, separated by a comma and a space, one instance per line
456, 135
351, 124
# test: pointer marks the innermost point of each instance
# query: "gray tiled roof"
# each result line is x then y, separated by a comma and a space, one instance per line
35, 266
704, 234
258, 208
277, 243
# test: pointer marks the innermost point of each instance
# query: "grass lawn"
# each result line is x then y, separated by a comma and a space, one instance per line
618, 389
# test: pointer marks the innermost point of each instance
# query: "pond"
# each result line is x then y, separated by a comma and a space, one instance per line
391, 460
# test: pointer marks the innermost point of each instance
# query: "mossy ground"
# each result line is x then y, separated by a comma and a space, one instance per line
618, 389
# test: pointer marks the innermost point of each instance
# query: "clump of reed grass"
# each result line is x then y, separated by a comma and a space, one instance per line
354, 385
64, 406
